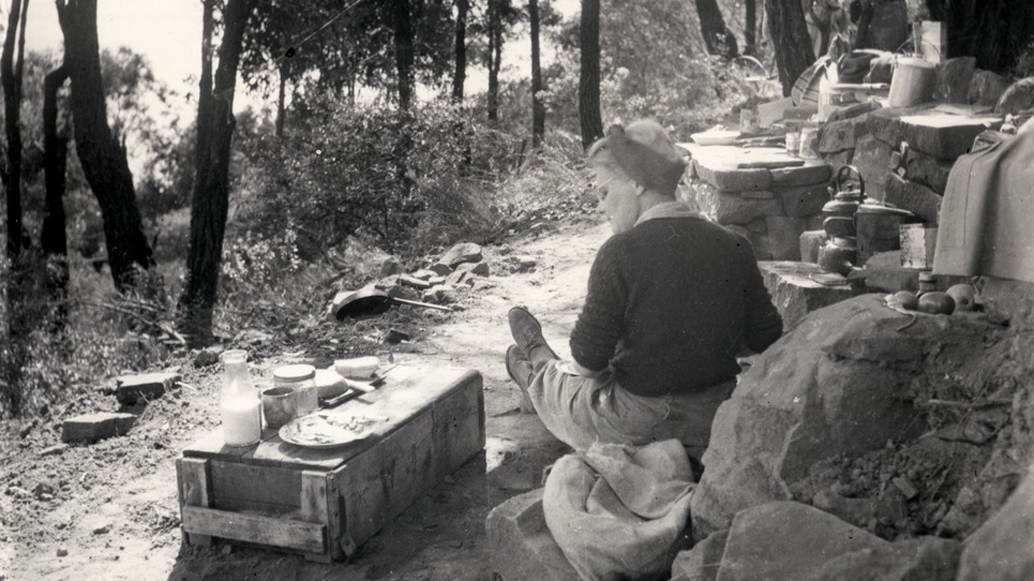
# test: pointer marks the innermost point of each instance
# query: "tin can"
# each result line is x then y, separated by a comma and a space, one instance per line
793, 143
809, 145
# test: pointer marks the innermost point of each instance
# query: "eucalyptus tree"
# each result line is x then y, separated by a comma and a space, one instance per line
720, 41
11, 68
101, 155
791, 42
589, 116
210, 198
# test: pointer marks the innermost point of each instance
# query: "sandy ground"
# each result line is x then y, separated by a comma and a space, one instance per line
109, 511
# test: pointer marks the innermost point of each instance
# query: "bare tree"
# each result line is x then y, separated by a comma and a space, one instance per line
495, 55
210, 199
589, 77
53, 239
538, 108
718, 39
790, 40
404, 53
750, 27
460, 75
102, 157
11, 77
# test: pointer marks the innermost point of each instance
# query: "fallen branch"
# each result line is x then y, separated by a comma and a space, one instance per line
967, 404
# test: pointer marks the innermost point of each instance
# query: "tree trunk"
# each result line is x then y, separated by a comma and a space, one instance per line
103, 160
404, 53
750, 28
538, 108
495, 37
790, 40
589, 77
11, 78
459, 77
281, 110
718, 39
53, 239
210, 199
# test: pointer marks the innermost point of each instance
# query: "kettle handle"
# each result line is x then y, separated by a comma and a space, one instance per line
839, 181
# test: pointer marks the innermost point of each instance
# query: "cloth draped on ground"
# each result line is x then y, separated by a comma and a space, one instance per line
621, 512
986, 222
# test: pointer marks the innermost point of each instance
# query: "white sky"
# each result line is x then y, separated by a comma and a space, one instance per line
167, 32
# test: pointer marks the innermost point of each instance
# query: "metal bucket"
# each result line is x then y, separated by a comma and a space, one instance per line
912, 83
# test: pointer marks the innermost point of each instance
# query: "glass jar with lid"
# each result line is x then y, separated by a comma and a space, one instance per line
302, 378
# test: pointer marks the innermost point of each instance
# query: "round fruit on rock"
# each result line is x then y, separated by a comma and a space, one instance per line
936, 303
964, 295
907, 300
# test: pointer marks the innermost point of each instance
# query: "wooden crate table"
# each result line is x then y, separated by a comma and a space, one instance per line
326, 502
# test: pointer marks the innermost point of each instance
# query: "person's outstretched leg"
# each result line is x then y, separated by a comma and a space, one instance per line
527, 334
522, 372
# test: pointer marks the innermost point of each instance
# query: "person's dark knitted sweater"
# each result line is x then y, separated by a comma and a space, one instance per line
670, 304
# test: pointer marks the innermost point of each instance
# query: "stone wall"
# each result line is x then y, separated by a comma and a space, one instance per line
770, 207
904, 155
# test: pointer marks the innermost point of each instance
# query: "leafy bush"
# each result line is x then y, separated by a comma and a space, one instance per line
56, 351
342, 171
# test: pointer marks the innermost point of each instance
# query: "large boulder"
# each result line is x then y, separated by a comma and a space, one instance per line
1018, 97
460, 253
787, 540
701, 563
837, 385
921, 559
1003, 548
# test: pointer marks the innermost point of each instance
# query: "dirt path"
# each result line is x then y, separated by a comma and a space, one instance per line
108, 511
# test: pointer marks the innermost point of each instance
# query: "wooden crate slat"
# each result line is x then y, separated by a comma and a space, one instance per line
254, 483
278, 532
211, 445
456, 440
256, 507
377, 485
194, 490
314, 505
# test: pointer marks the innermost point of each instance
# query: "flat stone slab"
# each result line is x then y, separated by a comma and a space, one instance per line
733, 180
927, 170
521, 546
88, 428
840, 135
932, 131
804, 201
812, 172
914, 197
794, 294
144, 386
872, 157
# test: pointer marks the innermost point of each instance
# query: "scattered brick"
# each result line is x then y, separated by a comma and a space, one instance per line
89, 428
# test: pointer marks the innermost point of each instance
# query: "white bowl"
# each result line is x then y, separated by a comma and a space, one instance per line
716, 137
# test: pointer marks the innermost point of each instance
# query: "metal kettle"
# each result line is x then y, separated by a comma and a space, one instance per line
846, 193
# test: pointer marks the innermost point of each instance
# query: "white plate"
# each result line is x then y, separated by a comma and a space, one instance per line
715, 137
326, 431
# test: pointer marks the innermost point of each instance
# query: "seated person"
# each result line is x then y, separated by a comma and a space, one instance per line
672, 299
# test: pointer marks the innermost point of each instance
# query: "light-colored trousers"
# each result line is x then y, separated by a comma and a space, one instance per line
581, 410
